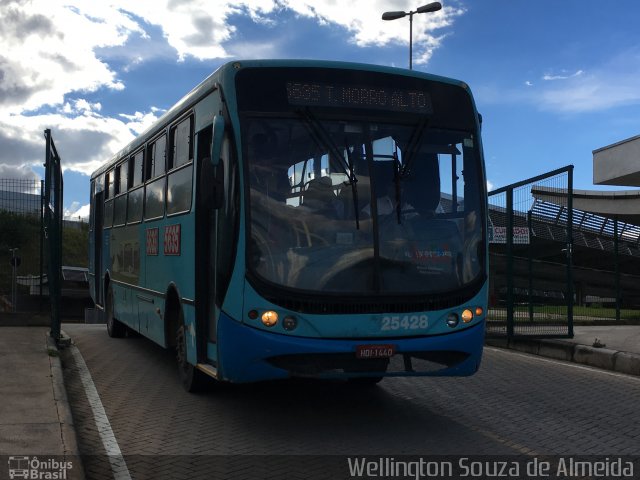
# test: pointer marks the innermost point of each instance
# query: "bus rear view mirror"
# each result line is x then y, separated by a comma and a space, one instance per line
216, 139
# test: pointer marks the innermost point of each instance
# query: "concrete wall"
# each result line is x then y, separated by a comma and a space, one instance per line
618, 164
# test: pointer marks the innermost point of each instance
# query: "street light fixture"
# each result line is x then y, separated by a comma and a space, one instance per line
431, 7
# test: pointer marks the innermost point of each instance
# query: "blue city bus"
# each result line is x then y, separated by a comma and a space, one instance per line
300, 219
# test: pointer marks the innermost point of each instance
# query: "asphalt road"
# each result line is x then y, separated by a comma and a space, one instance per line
515, 405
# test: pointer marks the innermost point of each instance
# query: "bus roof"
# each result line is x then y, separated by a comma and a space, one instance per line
209, 84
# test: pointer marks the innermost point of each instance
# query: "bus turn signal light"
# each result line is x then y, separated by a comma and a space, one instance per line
269, 318
467, 315
479, 311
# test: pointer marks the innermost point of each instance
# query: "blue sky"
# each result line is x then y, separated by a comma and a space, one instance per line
553, 79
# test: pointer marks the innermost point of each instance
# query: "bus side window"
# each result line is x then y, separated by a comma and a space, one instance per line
181, 144
109, 194
135, 170
155, 158
135, 197
120, 206
180, 176
154, 169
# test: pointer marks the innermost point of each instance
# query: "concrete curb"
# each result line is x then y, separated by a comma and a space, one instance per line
621, 362
67, 427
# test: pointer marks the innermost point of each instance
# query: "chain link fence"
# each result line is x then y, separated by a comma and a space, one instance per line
21, 244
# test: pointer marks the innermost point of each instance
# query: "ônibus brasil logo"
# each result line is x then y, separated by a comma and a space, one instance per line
33, 468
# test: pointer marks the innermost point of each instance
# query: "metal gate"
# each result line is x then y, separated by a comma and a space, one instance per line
530, 250
53, 218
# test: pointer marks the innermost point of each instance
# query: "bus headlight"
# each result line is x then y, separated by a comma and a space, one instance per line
269, 318
467, 315
453, 319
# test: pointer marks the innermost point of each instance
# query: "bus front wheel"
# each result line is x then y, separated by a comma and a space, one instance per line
192, 379
115, 328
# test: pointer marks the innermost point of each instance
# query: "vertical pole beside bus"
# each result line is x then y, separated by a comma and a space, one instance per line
530, 251
509, 239
616, 260
53, 220
41, 242
570, 251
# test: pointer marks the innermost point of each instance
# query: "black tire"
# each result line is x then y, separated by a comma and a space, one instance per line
192, 379
115, 328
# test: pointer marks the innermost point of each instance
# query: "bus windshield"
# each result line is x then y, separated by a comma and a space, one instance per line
360, 185
362, 207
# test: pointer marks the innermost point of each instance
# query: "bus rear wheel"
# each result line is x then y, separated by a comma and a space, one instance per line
192, 379
115, 328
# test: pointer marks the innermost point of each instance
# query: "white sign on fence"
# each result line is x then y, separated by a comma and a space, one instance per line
499, 235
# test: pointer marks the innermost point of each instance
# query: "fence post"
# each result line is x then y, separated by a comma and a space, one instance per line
570, 251
53, 217
616, 259
42, 206
509, 240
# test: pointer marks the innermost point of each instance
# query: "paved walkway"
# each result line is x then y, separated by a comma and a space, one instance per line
35, 418
612, 347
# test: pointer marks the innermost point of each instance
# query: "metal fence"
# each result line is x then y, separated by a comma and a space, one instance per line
21, 245
530, 279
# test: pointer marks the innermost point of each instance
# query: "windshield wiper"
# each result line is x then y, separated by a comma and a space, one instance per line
320, 135
396, 180
412, 147
354, 188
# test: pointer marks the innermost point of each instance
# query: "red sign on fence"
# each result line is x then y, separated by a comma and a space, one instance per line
172, 240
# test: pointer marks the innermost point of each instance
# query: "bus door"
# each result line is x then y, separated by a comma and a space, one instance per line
205, 246
217, 222
97, 242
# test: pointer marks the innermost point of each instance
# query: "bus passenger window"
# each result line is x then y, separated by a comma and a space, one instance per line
121, 178
108, 213
154, 199
181, 144
179, 191
135, 170
110, 192
120, 210
155, 161
134, 205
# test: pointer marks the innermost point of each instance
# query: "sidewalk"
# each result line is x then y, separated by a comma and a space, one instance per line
611, 347
35, 416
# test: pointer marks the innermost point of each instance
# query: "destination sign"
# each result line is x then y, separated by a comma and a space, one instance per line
359, 96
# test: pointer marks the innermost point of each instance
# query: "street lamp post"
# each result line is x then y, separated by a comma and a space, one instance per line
431, 7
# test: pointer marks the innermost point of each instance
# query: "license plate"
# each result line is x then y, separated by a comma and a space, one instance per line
375, 351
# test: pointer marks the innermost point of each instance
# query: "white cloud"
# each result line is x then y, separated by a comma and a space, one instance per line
45, 57
549, 77
362, 18
54, 53
77, 212
490, 185
84, 138
611, 84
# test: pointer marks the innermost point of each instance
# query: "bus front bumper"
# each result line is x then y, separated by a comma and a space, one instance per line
246, 354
